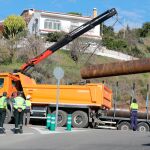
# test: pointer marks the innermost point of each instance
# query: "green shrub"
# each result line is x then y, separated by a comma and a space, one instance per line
54, 36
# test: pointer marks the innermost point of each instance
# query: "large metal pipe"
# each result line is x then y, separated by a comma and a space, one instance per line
125, 113
116, 68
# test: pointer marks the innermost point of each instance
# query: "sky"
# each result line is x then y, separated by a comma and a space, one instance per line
130, 12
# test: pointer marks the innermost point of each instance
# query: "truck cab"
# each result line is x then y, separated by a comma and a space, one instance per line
11, 84
8, 83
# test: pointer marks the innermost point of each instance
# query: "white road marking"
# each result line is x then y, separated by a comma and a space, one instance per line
46, 131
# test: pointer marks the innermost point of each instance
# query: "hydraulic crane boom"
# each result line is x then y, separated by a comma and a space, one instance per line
68, 38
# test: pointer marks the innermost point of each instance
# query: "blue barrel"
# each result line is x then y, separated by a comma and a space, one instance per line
69, 121
48, 121
53, 123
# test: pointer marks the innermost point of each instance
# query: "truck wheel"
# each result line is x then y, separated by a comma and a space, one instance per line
62, 118
124, 126
8, 116
79, 119
143, 127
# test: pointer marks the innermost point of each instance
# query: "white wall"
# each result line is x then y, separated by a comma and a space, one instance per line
66, 23
32, 21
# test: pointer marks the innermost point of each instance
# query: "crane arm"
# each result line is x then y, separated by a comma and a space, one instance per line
68, 38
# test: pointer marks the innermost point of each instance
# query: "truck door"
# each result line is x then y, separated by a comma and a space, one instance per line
6, 85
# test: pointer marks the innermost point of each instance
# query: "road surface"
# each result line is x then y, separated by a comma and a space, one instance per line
39, 138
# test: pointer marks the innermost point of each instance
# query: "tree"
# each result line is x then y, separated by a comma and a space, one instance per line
4, 53
108, 31
145, 31
13, 25
33, 46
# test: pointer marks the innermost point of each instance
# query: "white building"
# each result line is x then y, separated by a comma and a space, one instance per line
42, 22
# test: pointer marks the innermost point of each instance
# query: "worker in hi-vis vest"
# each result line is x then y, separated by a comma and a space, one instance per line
26, 119
3, 107
19, 107
134, 113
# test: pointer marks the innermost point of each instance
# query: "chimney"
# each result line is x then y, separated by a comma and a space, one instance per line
94, 12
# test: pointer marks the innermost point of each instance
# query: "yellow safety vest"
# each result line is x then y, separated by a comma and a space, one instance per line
28, 104
134, 106
3, 102
19, 102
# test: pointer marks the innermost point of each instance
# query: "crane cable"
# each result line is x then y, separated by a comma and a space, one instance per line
85, 47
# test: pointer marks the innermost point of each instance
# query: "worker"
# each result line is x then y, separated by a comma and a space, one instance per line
27, 111
133, 112
3, 107
19, 107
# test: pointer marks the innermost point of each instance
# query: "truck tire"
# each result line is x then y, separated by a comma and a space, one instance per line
79, 119
124, 126
143, 127
62, 118
8, 116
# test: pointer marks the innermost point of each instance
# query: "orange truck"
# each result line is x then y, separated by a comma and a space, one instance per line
84, 102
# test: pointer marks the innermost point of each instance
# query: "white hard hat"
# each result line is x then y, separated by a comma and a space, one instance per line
28, 97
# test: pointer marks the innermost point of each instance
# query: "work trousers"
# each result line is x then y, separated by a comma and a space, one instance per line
2, 116
134, 120
26, 118
18, 118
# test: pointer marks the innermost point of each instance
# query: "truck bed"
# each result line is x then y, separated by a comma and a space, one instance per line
87, 95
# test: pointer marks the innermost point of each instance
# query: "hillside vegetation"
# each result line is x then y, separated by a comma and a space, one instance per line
14, 51
134, 42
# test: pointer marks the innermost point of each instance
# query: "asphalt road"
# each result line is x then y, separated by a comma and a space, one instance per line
39, 138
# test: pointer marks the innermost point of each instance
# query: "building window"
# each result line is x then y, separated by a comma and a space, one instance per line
52, 24
1, 82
